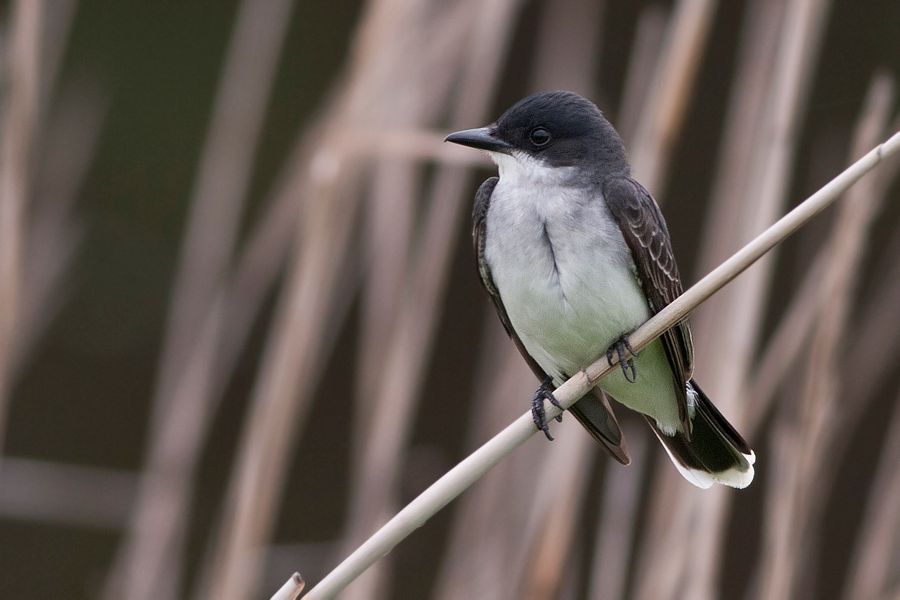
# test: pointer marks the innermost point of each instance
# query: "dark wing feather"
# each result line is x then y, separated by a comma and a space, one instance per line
646, 235
594, 411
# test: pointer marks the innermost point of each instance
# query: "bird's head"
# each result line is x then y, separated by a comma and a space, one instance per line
549, 131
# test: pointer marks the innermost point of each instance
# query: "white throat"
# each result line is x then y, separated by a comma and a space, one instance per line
519, 168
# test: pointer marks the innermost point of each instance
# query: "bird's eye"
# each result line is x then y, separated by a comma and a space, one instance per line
539, 136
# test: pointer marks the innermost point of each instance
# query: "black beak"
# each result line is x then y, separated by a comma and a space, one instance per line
482, 138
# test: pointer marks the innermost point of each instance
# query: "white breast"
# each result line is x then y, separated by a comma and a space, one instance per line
562, 268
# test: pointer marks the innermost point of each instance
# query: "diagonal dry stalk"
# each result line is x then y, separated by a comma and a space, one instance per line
53, 233
149, 561
387, 237
71, 121
51, 237
291, 359
377, 471
388, 223
646, 51
764, 187
20, 113
782, 348
295, 354
792, 332
467, 472
806, 426
57, 23
667, 98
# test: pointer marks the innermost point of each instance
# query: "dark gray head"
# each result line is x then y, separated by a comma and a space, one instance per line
559, 129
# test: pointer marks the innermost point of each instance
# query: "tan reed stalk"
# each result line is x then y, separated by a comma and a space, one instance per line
387, 238
455, 481
644, 54
149, 561
782, 348
793, 330
261, 262
57, 23
756, 61
53, 232
388, 225
19, 122
405, 356
667, 98
294, 358
814, 419
51, 235
291, 359
390, 207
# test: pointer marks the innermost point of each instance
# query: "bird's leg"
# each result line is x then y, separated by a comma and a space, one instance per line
620, 346
545, 392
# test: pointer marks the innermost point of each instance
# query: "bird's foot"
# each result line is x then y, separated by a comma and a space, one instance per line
620, 347
545, 392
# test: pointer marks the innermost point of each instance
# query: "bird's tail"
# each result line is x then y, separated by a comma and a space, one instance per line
715, 452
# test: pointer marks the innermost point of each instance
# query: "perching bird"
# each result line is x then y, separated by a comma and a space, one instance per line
576, 255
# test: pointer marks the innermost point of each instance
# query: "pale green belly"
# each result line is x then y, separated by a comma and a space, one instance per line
565, 333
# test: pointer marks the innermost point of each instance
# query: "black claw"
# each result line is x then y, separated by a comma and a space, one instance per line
544, 392
620, 346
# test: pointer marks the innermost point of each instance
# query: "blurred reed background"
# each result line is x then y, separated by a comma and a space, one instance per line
240, 324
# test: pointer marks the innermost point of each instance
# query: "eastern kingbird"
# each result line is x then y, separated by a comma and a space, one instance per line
575, 255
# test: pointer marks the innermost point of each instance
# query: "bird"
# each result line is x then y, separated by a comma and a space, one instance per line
575, 254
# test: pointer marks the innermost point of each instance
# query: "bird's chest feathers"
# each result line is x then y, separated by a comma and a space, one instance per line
562, 269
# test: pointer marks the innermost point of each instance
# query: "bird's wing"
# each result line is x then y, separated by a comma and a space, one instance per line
594, 413
646, 235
